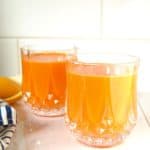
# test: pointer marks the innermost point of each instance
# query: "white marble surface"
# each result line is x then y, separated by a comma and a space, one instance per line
144, 104
43, 133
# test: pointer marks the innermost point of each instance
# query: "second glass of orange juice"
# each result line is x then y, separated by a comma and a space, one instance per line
44, 77
102, 98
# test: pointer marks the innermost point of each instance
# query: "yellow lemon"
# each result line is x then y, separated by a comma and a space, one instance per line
14, 98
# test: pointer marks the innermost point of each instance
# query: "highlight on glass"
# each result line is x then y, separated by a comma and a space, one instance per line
101, 100
44, 75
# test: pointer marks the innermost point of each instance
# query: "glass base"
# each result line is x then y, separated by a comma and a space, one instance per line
100, 142
47, 113
52, 112
103, 140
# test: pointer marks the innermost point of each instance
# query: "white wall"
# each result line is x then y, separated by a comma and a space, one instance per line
114, 25
8, 57
50, 18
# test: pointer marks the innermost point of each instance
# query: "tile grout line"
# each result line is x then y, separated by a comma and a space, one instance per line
51, 37
78, 38
101, 19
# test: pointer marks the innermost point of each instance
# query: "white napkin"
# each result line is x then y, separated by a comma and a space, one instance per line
7, 124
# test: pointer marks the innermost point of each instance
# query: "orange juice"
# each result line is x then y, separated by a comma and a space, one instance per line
99, 105
44, 78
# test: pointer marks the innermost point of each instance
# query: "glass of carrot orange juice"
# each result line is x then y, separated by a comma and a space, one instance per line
44, 77
101, 101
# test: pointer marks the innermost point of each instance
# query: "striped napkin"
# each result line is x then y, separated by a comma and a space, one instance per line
7, 124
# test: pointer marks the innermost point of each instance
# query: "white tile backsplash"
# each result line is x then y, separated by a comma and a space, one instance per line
50, 18
106, 19
8, 57
126, 19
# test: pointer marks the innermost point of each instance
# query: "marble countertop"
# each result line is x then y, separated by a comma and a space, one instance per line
44, 133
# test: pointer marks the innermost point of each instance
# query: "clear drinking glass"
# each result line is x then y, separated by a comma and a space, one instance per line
44, 76
101, 101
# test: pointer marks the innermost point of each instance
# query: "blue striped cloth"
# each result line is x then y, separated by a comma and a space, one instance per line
7, 124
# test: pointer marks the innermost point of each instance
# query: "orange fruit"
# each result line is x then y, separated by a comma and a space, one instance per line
9, 88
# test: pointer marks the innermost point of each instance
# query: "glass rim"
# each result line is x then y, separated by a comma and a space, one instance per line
69, 50
132, 59
39, 44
